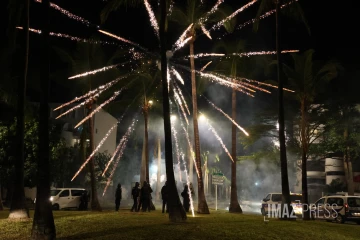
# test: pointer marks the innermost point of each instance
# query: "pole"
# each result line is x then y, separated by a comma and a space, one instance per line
216, 197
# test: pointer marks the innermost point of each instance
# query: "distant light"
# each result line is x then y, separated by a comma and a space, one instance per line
88, 140
173, 117
150, 102
202, 117
256, 184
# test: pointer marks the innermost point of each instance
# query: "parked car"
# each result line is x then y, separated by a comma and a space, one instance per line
66, 197
339, 208
276, 198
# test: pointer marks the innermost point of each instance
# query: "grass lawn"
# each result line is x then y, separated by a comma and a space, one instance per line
155, 225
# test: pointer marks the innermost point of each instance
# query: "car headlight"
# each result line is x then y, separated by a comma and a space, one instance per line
51, 199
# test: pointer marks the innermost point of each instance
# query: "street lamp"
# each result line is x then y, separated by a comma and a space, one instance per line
202, 117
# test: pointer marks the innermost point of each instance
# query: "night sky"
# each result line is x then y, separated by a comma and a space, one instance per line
333, 30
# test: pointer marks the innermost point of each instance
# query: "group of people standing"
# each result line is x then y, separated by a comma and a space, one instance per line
142, 197
185, 195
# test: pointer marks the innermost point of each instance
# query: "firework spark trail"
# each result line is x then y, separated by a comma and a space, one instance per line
126, 138
67, 36
191, 149
248, 54
75, 107
177, 75
95, 151
228, 117
219, 24
178, 100
205, 31
206, 65
182, 44
219, 80
98, 108
182, 37
253, 86
264, 84
212, 10
200, 55
168, 77
122, 39
103, 69
182, 97
265, 15
173, 130
188, 183
68, 14
93, 93
242, 84
153, 21
220, 140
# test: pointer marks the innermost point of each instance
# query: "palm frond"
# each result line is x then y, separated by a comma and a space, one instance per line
114, 5
296, 12
265, 5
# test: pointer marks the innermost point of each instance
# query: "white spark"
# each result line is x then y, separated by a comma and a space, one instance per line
177, 75
206, 65
182, 37
153, 20
98, 108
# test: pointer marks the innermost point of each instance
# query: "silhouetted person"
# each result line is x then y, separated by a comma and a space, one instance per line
135, 195
145, 197
118, 197
186, 197
83, 201
164, 196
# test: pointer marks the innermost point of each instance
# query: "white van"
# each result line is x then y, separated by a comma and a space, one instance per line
340, 208
66, 197
276, 198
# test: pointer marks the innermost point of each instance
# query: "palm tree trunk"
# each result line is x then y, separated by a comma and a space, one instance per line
348, 165
95, 205
283, 160
158, 187
18, 208
202, 204
176, 210
191, 164
1, 204
146, 139
304, 151
234, 203
146, 120
43, 223
143, 165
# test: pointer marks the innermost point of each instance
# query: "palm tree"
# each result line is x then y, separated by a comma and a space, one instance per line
18, 208
295, 11
232, 65
307, 78
193, 15
176, 210
43, 223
